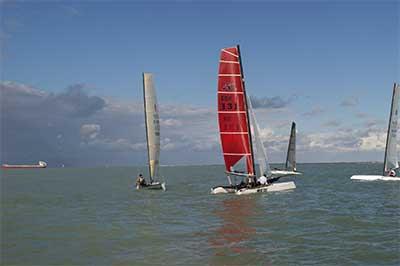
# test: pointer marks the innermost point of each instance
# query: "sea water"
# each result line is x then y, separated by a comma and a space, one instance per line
95, 216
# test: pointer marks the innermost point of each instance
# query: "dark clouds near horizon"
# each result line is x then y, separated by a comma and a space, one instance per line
76, 128
47, 126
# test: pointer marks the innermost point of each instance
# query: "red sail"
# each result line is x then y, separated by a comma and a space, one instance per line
232, 111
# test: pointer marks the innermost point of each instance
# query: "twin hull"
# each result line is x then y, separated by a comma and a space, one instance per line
41, 164
154, 185
374, 178
245, 191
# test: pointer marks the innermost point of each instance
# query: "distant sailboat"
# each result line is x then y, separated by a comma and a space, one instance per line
390, 163
41, 164
152, 123
291, 153
290, 165
239, 131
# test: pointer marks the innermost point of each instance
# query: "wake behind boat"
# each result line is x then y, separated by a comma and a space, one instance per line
152, 122
390, 163
238, 127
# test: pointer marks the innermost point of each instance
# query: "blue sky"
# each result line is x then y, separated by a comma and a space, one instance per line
316, 55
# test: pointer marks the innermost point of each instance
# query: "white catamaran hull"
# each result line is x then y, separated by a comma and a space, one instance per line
223, 190
374, 178
245, 191
284, 173
269, 188
154, 185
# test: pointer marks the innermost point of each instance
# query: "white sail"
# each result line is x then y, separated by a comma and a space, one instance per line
260, 154
152, 124
291, 153
391, 159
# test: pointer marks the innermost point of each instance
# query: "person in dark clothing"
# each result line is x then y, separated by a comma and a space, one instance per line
140, 181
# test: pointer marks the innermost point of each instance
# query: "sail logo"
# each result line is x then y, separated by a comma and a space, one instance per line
229, 87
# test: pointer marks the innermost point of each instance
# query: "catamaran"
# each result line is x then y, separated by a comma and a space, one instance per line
41, 164
290, 164
152, 123
239, 131
390, 163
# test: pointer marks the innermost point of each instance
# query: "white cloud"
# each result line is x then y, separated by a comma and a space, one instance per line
90, 131
373, 141
170, 122
9, 87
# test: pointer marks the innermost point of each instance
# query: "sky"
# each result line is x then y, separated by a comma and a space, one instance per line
71, 77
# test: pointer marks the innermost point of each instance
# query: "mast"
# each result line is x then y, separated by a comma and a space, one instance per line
389, 128
145, 125
247, 112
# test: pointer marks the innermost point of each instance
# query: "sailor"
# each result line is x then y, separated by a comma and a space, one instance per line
250, 182
242, 184
392, 173
262, 180
140, 181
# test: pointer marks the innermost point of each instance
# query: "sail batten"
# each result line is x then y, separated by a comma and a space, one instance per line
232, 111
152, 125
391, 158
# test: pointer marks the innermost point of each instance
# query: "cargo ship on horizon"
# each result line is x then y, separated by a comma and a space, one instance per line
41, 164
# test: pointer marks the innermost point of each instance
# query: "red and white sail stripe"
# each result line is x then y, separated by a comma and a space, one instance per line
232, 111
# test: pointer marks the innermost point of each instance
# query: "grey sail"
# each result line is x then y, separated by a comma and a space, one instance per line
260, 154
152, 122
291, 153
391, 159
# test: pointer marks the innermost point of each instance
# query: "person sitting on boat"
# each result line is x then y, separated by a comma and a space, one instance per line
250, 182
392, 173
242, 184
262, 180
140, 181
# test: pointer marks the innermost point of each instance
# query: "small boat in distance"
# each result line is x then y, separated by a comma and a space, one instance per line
152, 122
41, 164
390, 163
238, 126
290, 165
